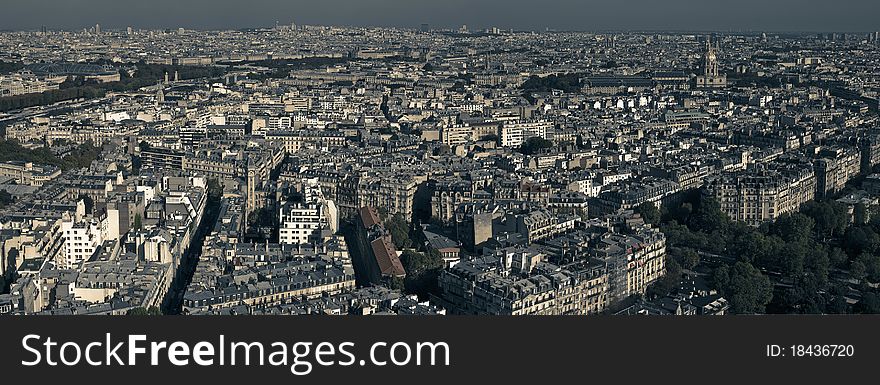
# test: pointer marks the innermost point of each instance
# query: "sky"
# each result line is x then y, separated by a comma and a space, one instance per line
582, 15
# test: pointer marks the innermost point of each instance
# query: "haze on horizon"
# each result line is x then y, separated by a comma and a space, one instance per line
590, 15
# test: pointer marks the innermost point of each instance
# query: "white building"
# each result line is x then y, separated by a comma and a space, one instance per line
515, 133
155, 246
82, 239
303, 221
457, 134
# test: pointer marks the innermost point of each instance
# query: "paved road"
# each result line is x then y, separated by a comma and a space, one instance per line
173, 303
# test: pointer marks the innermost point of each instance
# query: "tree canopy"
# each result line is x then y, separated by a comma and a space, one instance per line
534, 145
649, 212
79, 157
799, 251
422, 271
399, 228
748, 290
565, 82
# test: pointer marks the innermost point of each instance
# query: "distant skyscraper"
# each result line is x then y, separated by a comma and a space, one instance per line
293, 26
129, 30
98, 29
463, 29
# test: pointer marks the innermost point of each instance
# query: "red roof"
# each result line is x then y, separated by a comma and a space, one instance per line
369, 217
386, 257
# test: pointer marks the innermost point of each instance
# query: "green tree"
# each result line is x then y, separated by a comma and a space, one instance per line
792, 259
860, 214
262, 217
399, 228
858, 270
81, 156
687, 258
397, 283
837, 305
869, 304
138, 222
422, 271
749, 291
721, 277
565, 82
860, 239
649, 212
871, 262
771, 255
669, 282
534, 145
5, 199
708, 217
682, 236
818, 262
749, 245
795, 227
830, 217
837, 256
681, 213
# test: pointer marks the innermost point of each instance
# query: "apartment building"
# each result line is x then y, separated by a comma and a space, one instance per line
762, 194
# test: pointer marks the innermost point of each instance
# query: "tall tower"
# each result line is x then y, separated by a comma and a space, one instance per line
710, 76
710, 59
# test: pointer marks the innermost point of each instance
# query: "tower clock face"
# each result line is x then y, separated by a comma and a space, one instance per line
711, 56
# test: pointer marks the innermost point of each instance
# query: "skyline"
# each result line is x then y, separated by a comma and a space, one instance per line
562, 15
394, 166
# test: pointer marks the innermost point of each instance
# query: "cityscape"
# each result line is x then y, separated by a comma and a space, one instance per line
300, 169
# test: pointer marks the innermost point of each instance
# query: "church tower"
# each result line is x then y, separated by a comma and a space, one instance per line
710, 59
710, 76
160, 95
